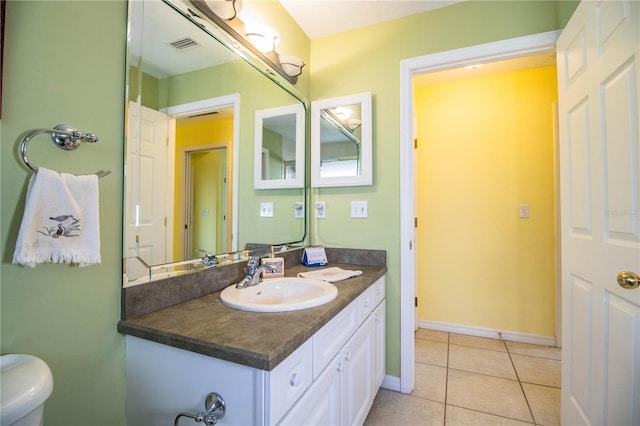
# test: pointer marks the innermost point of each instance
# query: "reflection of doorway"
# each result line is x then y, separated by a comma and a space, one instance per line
197, 111
205, 199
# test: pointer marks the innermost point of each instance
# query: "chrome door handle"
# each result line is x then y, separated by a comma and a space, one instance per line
628, 280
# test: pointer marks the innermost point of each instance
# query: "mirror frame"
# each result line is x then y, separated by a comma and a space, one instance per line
366, 146
299, 180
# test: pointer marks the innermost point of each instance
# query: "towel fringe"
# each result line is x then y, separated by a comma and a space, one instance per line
82, 258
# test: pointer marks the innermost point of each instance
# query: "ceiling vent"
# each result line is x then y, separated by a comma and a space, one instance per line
184, 43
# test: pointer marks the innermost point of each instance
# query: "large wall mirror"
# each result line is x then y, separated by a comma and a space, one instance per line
341, 134
191, 105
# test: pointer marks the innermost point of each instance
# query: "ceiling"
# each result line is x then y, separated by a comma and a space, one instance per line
319, 18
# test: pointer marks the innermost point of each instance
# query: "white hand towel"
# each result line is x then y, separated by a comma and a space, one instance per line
60, 222
331, 275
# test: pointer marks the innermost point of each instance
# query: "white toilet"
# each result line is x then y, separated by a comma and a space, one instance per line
25, 384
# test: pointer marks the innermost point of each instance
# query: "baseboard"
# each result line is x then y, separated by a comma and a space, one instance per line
490, 333
391, 383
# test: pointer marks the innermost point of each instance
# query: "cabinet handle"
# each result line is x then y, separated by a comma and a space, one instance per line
294, 380
378, 317
339, 367
366, 303
347, 356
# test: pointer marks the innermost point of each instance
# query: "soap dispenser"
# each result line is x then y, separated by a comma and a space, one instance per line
276, 262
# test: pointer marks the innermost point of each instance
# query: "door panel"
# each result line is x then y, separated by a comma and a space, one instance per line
600, 195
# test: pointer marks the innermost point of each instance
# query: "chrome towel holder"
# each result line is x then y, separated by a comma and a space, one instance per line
64, 137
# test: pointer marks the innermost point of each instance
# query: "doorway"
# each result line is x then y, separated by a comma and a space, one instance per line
485, 199
195, 112
205, 230
490, 52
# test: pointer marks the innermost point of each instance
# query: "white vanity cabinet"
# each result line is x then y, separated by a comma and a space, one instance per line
332, 378
343, 391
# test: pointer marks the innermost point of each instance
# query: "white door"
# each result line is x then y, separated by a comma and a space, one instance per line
147, 165
598, 83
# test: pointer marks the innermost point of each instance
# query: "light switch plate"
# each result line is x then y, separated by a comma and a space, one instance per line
524, 211
321, 212
266, 209
359, 209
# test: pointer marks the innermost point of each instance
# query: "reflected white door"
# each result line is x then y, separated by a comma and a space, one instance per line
147, 165
598, 78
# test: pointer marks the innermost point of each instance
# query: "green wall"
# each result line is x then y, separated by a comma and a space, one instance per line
369, 60
64, 63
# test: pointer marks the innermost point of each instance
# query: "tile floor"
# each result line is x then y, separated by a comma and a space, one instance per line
468, 380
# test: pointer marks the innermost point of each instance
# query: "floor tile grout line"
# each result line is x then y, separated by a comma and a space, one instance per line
446, 382
490, 414
521, 387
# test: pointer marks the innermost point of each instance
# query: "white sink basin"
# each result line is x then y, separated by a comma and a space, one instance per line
280, 295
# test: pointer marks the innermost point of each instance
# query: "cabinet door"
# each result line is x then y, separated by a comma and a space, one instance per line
320, 405
358, 374
380, 363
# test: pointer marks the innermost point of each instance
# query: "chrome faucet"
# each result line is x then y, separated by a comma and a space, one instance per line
253, 272
208, 259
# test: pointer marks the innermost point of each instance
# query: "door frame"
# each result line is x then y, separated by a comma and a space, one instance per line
202, 107
184, 181
488, 52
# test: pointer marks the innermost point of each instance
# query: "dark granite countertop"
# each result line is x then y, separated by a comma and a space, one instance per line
256, 339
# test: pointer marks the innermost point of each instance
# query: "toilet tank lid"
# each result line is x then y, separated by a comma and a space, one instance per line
25, 383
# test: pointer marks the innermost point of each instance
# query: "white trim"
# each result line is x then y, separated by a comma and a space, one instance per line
258, 150
500, 50
391, 383
490, 333
209, 105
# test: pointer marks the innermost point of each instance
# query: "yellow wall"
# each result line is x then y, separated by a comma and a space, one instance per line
190, 133
486, 145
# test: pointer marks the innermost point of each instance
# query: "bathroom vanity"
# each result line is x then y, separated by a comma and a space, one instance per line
322, 365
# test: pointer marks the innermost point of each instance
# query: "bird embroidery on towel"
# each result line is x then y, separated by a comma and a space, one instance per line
61, 230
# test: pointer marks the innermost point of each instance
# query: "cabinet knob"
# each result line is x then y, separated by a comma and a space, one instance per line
339, 367
294, 380
347, 356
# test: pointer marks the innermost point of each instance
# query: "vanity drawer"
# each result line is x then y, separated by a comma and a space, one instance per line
289, 380
366, 304
330, 338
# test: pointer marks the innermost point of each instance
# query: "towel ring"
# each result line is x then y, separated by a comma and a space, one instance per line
64, 137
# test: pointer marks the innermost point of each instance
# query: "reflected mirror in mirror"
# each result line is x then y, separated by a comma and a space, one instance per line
279, 147
341, 141
189, 163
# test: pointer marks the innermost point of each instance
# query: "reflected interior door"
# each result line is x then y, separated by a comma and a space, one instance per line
598, 73
147, 170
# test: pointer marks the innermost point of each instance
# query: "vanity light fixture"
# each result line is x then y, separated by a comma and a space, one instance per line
247, 30
343, 113
291, 65
226, 9
353, 123
263, 37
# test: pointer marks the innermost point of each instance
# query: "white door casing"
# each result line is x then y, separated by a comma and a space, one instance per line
489, 52
598, 77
